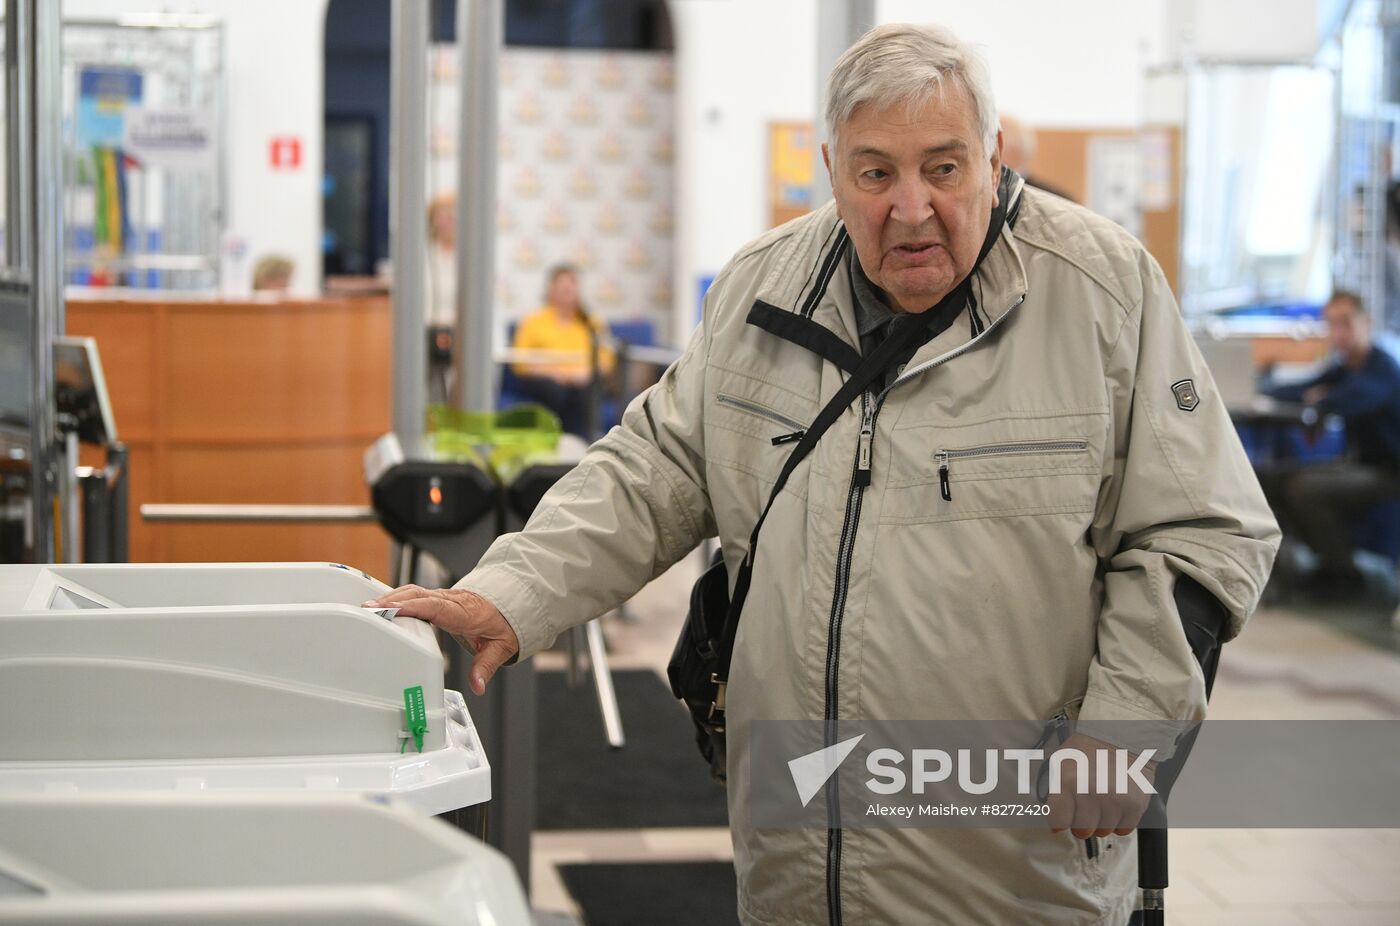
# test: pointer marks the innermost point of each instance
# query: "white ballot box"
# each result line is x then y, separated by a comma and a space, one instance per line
300, 859
213, 677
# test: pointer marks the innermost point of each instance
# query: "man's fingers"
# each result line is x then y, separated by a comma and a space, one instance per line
1061, 811
490, 656
1130, 819
1110, 817
424, 607
1086, 819
402, 593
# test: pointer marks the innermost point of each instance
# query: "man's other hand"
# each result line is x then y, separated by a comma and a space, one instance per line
1097, 814
473, 620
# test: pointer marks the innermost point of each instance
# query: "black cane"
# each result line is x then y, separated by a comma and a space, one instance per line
1204, 619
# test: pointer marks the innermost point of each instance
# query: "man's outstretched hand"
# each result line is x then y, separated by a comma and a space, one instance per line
473, 620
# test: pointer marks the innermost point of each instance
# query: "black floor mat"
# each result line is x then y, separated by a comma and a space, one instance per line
658, 779
673, 893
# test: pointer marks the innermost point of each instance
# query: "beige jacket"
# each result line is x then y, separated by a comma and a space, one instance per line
1043, 584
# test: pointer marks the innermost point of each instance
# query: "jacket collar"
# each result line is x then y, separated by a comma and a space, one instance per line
806, 297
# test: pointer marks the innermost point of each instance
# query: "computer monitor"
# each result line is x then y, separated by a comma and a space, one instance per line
80, 389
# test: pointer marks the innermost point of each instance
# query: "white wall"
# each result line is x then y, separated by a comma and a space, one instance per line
740, 64
273, 75
1076, 63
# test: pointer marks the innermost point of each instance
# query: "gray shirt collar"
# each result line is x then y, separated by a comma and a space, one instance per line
871, 311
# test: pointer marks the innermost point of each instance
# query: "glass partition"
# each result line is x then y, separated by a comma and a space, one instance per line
1257, 210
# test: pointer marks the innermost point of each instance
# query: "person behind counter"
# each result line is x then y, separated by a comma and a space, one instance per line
273, 273
563, 325
442, 261
1319, 503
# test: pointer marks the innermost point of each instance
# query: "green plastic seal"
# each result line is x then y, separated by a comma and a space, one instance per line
417, 715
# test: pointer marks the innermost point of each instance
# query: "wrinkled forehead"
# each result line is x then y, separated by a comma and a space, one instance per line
939, 113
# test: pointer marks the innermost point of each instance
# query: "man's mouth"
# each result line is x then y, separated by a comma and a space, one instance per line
915, 250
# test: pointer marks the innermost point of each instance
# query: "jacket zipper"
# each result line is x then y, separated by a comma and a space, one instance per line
1016, 448
763, 411
1057, 729
860, 478
870, 404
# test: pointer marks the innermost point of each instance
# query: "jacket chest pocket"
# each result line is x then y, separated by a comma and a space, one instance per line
792, 429
753, 426
1006, 468
946, 457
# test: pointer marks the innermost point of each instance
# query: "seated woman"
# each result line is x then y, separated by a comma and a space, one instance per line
562, 325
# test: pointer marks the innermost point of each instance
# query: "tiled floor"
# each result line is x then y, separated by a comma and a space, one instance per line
1287, 665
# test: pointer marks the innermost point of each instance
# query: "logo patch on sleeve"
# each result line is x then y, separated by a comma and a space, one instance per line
1187, 398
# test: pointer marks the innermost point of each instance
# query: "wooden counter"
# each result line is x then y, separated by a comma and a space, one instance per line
247, 402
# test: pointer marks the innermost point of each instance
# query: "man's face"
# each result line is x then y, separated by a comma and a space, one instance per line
1348, 328
916, 189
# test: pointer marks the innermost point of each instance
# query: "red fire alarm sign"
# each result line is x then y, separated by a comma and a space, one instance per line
285, 153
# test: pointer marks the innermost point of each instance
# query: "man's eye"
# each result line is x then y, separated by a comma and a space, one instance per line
944, 170
875, 173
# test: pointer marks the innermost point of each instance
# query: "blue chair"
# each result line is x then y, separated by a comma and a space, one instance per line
509, 393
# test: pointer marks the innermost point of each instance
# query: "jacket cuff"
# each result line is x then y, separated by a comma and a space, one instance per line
1129, 726
518, 604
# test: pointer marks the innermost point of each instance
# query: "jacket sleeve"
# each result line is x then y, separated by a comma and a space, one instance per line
635, 504
1179, 498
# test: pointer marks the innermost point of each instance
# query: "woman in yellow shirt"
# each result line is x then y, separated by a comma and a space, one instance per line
562, 326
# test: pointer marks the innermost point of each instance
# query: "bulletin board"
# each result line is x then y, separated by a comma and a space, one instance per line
790, 160
1066, 159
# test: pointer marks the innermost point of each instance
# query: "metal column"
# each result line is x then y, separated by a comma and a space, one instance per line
408, 225
480, 33
505, 720
839, 24
505, 716
34, 233
17, 149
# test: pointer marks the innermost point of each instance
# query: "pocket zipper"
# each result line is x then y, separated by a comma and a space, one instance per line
763, 411
1016, 448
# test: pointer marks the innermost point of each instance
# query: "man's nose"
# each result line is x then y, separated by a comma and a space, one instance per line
913, 204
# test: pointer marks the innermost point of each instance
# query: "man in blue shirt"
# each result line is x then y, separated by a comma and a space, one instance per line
1321, 503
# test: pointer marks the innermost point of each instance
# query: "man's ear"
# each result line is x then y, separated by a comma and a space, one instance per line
826, 159
996, 169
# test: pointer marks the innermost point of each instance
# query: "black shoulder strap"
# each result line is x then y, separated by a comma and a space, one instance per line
871, 368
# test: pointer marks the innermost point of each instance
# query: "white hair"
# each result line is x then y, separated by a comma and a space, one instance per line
907, 63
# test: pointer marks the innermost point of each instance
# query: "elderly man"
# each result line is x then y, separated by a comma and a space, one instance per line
993, 530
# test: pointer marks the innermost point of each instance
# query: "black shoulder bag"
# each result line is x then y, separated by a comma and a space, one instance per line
699, 666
